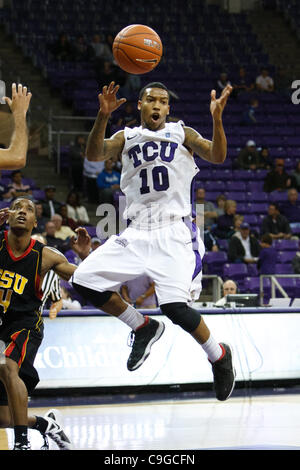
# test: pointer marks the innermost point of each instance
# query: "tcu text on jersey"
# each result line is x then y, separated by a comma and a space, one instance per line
149, 151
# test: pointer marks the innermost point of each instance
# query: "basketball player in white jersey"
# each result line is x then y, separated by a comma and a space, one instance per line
162, 240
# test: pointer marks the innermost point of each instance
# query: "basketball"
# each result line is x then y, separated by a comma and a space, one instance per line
137, 49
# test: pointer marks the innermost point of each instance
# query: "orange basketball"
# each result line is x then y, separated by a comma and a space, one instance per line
137, 49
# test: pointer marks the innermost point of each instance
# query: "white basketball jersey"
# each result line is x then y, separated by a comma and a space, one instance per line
157, 175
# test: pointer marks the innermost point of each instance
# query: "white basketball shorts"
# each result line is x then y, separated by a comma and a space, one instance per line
170, 255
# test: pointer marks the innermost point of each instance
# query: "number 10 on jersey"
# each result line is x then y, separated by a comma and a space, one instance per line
157, 179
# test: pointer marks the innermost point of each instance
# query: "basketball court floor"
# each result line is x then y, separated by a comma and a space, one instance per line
262, 421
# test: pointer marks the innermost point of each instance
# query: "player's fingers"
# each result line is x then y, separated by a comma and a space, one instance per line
213, 94
111, 87
121, 101
13, 89
20, 89
7, 101
104, 90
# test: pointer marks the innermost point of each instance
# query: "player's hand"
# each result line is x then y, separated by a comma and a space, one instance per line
19, 102
108, 99
82, 243
4, 213
217, 105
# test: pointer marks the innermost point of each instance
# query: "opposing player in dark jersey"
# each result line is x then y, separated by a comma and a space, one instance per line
23, 264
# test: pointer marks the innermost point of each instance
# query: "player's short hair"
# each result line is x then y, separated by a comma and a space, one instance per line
29, 198
153, 85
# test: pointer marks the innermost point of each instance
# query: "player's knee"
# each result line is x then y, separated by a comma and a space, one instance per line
98, 299
183, 315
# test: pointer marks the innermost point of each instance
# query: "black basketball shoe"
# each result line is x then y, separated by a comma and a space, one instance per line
224, 374
142, 340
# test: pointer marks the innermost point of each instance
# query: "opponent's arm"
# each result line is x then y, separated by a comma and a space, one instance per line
215, 150
99, 148
14, 157
54, 259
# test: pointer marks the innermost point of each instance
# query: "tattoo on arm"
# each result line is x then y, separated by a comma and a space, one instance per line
197, 144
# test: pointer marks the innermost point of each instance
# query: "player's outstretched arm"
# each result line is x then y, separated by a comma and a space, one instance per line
215, 150
53, 259
15, 156
99, 148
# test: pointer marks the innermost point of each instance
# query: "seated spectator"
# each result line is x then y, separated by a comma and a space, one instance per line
296, 176
50, 205
248, 158
243, 247
128, 116
222, 82
229, 288
52, 240
275, 224
101, 49
265, 161
82, 51
210, 242
209, 213
41, 220
61, 231
264, 82
108, 182
76, 158
266, 263
243, 83
66, 220
296, 263
277, 179
91, 170
221, 199
237, 220
291, 208
16, 187
139, 292
225, 223
62, 48
95, 243
76, 210
249, 116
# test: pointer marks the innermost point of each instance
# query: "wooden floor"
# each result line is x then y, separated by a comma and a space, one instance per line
260, 422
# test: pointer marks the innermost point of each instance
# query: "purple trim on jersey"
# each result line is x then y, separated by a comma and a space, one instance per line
193, 230
192, 194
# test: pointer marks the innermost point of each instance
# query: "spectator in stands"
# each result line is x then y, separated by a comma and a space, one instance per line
67, 302
66, 220
229, 288
210, 214
82, 51
91, 170
275, 223
41, 220
248, 158
128, 117
50, 205
76, 158
277, 179
16, 187
265, 161
62, 48
238, 220
296, 176
264, 82
108, 182
210, 242
225, 223
220, 201
249, 117
76, 210
61, 231
95, 243
139, 292
243, 247
222, 82
291, 208
266, 263
102, 51
243, 83
52, 240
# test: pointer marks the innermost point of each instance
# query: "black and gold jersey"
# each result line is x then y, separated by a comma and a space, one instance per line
20, 293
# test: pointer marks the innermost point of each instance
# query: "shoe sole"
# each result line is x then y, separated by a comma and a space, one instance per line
158, 334
234, 374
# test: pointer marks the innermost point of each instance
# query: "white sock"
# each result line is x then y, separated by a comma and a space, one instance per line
132, 318
213, 350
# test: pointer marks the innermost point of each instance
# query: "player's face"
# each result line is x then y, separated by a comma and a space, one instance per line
154, 108
23, 215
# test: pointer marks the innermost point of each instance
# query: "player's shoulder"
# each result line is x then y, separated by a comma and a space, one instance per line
51, 252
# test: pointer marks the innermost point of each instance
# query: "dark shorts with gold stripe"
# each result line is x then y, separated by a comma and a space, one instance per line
21, 345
